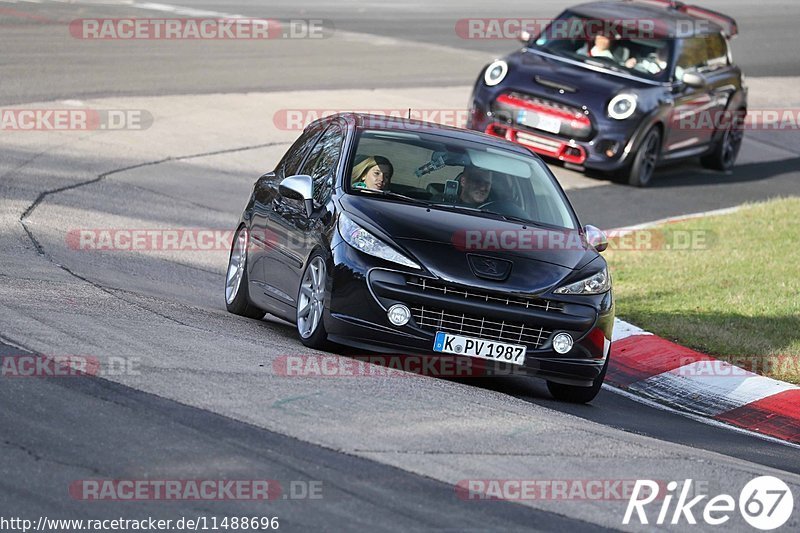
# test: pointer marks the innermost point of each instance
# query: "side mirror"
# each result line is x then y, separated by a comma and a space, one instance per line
694, 80
525, 36
596, 238
301, 188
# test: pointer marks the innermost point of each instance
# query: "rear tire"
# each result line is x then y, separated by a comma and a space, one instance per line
644, 163
724, 155
237, 301
575, 394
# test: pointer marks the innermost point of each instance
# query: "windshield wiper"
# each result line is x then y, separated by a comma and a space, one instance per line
496, 215
390, 194
603, 64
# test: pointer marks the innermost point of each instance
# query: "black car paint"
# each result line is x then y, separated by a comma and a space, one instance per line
361, 287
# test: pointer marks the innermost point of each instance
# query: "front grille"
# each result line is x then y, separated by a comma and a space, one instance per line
469, 294
549, 104
574, 122
436, 319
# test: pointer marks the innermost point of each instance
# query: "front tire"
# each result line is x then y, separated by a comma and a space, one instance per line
237, 300
575, 394
645, 161
311, 304
724, 156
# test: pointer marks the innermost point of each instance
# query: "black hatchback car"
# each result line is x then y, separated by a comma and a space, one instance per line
408, 237
620, 87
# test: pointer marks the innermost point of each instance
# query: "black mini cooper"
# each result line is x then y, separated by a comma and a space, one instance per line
620, 87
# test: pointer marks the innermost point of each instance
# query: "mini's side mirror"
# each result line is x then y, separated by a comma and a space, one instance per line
525, 36
596, 238
300, 187
694, 80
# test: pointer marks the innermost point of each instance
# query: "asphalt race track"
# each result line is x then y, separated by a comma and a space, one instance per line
200, 397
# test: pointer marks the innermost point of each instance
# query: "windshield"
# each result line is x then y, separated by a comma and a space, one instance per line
614, 46
443, 173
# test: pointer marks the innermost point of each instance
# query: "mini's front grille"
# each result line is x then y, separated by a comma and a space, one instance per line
573, 122
436, 319
469, 294
548, 104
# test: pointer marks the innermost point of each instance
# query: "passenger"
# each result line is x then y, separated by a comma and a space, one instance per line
654, 63
374, 172
476, 185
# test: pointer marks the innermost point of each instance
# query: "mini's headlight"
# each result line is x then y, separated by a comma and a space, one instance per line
596, 284
362, 240
495, 73
622, 106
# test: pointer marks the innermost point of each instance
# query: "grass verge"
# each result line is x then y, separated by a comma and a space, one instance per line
725, 285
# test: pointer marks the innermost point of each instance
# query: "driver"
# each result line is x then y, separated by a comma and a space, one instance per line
476, 184
601, 48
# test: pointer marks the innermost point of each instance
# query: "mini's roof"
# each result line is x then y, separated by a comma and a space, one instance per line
669, 18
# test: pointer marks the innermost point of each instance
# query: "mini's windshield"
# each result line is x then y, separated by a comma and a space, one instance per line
427, 169
630, 48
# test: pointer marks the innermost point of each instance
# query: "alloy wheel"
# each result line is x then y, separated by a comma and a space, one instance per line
311, 301
236, 266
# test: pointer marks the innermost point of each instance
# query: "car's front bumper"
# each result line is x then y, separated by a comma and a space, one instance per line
605, 151
363, 288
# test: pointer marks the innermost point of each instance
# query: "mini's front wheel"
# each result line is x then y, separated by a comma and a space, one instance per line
645, 160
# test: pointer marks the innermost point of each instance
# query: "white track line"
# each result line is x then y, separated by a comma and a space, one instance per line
697, 418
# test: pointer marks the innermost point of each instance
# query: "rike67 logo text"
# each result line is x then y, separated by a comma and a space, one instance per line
765, 503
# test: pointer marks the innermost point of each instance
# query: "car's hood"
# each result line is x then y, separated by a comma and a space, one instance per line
451, 244
549, 76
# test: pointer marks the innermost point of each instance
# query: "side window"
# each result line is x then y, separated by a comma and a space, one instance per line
717, 50
694, 54
294, 156
321, 163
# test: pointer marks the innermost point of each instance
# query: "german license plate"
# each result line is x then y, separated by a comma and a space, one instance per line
481, 348
539, 121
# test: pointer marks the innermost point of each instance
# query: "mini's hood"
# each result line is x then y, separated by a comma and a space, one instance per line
529, 69
451, 244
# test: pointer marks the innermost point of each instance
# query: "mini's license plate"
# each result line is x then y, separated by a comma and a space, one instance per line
539, 121
481, 348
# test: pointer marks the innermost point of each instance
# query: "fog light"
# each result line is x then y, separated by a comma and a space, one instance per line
562, 343
399, 315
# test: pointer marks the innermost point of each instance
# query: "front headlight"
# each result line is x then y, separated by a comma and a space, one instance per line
366, 242
495, 73
597, 284
622, 106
